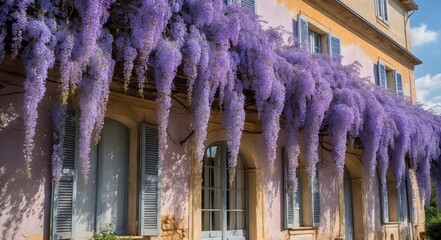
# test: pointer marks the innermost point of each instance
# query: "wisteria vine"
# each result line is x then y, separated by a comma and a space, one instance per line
226, 57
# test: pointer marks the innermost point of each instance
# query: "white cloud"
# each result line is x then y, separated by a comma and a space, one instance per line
429, 92
421, 36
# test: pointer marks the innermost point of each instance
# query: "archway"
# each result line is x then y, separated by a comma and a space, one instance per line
250, 157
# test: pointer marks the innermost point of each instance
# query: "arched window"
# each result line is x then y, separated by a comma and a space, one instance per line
224, 205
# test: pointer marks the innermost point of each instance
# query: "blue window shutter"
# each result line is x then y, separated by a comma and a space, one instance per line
398, 84
410, 197
298, 202
302, 31
316, 200
150, 184
63, 194
289, 196
250, 4
334, 46
401, 207
385, 9
382, 75
384, 198
377, 6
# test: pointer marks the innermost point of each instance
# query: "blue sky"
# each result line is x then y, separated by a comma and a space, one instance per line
426, 38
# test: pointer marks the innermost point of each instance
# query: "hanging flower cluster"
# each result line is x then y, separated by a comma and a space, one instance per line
38, 58
226, 58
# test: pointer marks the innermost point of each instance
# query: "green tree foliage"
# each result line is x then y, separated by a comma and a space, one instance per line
106, 233
433, 218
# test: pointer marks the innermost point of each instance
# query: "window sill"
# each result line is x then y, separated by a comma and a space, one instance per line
130, 237
391, 223
118, 237
383, 23
310, 231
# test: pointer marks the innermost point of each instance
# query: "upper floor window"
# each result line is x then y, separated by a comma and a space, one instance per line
382, 7
315, 42
250, 4
390, 79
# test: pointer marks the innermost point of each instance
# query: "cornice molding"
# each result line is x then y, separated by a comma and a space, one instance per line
348, 18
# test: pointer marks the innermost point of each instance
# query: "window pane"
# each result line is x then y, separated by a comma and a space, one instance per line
211, 199
236, 200
212, 177
206, 220
315, 43
380, 8
211, 220
239, 180
236, 220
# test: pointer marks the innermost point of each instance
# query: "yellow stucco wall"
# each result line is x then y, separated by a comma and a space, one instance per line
356, 47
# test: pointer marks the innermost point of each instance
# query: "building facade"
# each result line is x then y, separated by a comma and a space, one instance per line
188, 198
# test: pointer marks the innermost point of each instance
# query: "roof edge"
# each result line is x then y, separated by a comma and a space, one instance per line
410, 5
416, 60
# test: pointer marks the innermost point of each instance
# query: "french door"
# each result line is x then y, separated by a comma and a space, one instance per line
224, 205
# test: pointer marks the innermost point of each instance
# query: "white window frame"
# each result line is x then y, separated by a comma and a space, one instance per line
314, 42
382, 9
399, 90
250, 4
224, 233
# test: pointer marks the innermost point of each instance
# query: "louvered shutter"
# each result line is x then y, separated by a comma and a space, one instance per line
378, 7
289, 197
292, 202
63, 194
149, 182
382, 75
316, 200
384, 202
250, 4
298, 202
302, 31
334, 46
385, 9
410, 198
398, 84
401, 202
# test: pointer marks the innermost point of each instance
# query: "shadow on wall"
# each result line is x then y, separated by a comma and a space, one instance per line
176, 169
24, 202
175, 184
329, 198
272, 185
373, 204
